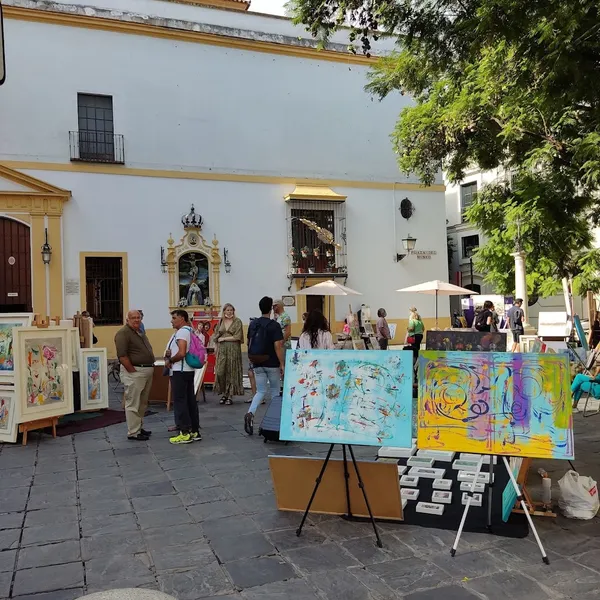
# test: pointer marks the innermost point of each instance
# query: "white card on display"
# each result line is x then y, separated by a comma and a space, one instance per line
409, 493
441, 455
409, 480
428, 473
429, 508
419, 461
442, 484
443, 497
465, 465
477, 499
393, 452
465, 486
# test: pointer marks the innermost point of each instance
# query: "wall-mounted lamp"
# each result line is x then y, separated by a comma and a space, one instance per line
226, 260
163, 260
46, 250
409, 244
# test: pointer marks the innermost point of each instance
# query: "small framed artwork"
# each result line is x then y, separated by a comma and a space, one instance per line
43, 381
75, 344
7, 323
93, 378
289, 300
9, 424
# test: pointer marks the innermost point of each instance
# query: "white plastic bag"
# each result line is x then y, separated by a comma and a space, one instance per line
579, 496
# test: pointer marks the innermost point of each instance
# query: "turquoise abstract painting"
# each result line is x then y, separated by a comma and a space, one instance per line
361, 397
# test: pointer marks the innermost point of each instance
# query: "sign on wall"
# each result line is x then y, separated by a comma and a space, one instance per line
72, 287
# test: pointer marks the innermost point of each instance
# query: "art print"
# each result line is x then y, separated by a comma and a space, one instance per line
466, 341
495, 403
7, 360
8, 420
342, 397
93, 378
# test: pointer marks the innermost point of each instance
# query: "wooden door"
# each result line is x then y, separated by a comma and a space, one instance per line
15, 267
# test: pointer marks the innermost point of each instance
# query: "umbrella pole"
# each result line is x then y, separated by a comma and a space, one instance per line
436, 310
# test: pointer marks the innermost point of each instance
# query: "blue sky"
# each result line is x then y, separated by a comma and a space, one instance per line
272, 7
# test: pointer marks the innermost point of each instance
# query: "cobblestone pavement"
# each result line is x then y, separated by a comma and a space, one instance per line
95, 511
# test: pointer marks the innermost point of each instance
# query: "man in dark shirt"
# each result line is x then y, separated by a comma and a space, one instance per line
137, 369
515, 322
265, 352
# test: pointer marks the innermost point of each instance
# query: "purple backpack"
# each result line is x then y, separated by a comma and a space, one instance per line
196, 354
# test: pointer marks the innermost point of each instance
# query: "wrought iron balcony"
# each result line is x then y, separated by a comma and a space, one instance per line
97, 146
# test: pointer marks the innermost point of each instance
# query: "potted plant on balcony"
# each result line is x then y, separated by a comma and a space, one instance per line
316, 252
294, 259
329, 253
305, 251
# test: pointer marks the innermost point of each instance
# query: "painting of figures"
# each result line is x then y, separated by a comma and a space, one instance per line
42, 363
340, 397
93, 378
466, 341
8, 421
495, 403
7, 322
193, 279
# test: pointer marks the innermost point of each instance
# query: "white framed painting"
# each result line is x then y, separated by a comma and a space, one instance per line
93, 378
9, 424
43, 380
75, 344
7, 323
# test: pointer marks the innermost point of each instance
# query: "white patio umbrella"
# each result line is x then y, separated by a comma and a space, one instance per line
328, 288
437, 288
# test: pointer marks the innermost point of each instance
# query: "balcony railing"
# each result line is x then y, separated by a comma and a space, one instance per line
97, 146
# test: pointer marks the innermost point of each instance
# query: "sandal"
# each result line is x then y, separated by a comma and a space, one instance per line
228, 402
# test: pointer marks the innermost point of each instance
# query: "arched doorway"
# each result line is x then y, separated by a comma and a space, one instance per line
15, 269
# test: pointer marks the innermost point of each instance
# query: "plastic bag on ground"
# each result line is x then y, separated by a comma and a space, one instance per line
578, 496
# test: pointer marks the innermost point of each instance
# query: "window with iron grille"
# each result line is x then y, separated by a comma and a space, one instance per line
104, 289
469, 243
468, 193
95, 140
308, 252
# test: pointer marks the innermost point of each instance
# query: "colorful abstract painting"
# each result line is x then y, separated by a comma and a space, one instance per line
45, 374
466, 341
8, 421
495, 403
348, 397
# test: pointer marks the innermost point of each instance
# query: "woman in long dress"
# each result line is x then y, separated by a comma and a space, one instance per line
228, 339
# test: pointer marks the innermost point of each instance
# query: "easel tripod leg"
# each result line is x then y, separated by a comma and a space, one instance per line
526, 510
317, 483
361, 485
467, 507
347, 481
490, 494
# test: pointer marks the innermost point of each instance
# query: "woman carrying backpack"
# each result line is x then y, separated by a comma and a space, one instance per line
484, 320
228, 338
316, 333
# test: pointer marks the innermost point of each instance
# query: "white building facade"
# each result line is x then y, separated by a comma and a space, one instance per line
116, 119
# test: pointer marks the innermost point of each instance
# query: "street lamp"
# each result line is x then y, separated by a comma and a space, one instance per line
46, 250
409, 244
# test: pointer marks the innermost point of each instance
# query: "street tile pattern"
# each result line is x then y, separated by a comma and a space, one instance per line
94, 511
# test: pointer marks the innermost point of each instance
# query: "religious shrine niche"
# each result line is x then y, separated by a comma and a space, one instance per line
194, 268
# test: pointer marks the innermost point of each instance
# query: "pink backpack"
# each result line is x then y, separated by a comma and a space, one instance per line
196, 354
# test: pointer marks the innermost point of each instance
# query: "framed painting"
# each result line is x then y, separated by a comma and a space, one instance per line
361, 397
495, 403
43, 379
93, 378
9, 424
75, 344
7, 323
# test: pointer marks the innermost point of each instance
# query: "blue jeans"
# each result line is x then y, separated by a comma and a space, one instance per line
272, 375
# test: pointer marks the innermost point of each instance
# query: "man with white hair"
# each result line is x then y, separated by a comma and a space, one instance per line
137, 368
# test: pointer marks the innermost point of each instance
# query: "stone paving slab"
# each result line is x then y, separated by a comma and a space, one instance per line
93, 511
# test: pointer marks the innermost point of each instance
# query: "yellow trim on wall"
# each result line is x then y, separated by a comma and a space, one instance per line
100, 169
314, 192
182, 35
82, 285
23, 217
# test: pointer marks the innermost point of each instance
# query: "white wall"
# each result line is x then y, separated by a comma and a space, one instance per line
137, 214
195, 107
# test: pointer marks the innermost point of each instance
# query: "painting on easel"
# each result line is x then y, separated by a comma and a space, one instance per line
495, 403
341, 397
43, 383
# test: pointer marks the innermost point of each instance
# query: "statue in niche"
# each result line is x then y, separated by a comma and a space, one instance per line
193, 279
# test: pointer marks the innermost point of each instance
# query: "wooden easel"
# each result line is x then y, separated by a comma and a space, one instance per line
533, 507
39, 424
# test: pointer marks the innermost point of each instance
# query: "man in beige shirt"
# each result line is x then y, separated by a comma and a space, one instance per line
137, 368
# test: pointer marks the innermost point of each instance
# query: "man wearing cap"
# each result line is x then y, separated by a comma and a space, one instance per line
137, 369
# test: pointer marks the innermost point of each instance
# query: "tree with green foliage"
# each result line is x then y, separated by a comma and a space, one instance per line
497, 84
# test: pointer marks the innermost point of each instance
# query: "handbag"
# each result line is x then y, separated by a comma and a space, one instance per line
410, 339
